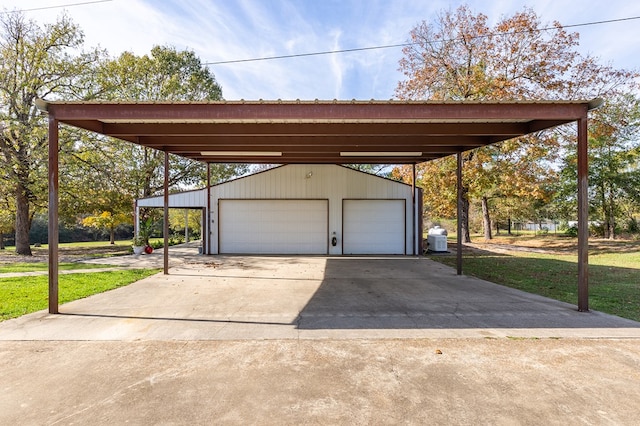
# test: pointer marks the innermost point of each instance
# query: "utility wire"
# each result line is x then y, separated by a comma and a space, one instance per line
390, 46
55, 7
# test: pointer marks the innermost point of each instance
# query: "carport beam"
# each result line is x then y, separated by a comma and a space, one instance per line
53, 215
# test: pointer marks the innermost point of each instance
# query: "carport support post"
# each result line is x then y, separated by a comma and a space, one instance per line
206, 225
583, 217
53, 215
165, 231
413, 200
459, 213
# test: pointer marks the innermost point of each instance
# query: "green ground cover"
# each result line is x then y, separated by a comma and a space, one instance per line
614, 275
40, 266
23, 295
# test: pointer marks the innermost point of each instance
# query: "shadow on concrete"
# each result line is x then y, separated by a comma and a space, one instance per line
254, 297
414, 293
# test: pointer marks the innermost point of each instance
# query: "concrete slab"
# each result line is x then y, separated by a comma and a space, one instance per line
234, 298
317, 340
338, 382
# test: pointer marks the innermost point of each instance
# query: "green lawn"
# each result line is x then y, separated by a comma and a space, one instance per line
42, 266
614, 277
20, 296
119, 243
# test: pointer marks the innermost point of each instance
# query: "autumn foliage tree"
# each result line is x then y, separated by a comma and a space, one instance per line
459, 57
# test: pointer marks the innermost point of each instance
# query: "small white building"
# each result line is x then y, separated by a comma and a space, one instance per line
306, 209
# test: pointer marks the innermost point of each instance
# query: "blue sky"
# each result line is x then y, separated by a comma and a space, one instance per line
228, 30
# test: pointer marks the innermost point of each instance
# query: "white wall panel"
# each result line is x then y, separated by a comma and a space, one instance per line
187, 199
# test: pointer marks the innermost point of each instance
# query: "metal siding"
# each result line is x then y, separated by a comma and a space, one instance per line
187, 199
330, 182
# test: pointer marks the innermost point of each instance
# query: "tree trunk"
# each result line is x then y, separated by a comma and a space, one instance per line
509, 225
466, 236
1, 241
112, 235
605, 211
486, 220
23, 224
611, 220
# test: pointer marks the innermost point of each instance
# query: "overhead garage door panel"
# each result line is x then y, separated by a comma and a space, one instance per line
273, 226
374, 227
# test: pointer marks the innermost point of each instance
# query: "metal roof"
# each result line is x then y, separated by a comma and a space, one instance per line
336, 132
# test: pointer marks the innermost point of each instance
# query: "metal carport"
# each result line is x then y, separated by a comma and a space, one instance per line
335, 132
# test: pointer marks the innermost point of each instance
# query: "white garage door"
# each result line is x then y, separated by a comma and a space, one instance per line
273, 226
373, 227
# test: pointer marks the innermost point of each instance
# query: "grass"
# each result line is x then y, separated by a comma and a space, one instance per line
88, 244
614, 275
92, 249
41, 266
20, 296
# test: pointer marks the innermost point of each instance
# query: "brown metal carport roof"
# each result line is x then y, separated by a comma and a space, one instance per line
335, 132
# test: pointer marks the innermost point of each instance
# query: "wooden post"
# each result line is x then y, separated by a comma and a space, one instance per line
53, 215
165, 230
583, 217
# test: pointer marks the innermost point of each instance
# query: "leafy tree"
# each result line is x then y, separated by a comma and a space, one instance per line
459, 57
164, 75
614, 163
374, 169
193, 218
35, 62
107, 221
7, 218
115, 167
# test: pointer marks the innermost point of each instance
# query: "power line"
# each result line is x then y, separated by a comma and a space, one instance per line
55, 7
390, 46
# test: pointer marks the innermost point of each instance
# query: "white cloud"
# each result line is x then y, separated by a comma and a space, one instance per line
232, 30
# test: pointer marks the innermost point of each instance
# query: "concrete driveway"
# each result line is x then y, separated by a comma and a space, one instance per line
318, 340
234, 297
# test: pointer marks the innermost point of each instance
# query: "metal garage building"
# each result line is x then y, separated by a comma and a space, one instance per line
299, 209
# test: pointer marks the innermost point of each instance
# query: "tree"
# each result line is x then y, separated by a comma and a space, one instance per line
186, 220
164, 75
35, 62
7, 218
374, 169
459, 57
107, 221
614, 162
111, 166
